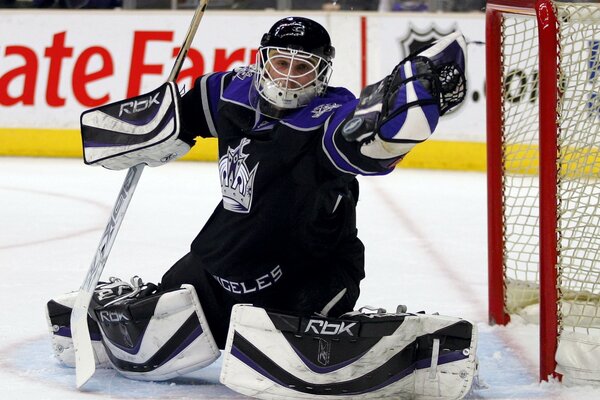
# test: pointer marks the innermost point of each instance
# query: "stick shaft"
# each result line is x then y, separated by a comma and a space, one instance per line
84, 353
189, 37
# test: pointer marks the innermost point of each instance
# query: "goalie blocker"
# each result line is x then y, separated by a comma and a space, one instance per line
140, 130
270, 355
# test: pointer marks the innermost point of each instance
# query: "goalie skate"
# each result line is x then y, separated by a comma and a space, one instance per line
58, 317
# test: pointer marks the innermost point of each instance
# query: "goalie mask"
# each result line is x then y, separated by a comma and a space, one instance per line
293, 65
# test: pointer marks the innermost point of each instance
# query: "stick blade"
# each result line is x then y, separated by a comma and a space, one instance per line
85, 363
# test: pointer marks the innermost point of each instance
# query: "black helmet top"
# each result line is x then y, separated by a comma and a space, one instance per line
302, 34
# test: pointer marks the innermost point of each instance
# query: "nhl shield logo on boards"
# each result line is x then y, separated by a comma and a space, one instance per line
416, 39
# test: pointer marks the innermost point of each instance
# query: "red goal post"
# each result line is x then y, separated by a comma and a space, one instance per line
543, 138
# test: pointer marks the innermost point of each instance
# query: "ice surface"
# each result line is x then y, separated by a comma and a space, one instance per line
425, 234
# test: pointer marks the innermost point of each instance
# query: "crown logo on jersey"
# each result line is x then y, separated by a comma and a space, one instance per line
237, 182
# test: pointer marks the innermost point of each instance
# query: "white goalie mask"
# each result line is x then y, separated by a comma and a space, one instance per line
288, 78
293, 66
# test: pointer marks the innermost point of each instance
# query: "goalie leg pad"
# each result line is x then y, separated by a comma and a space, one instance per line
271, 355
158, 337
58, 316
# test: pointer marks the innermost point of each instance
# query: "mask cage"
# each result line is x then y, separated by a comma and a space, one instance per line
282, 72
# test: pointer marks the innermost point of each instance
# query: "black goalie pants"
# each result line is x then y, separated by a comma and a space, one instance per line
304, 292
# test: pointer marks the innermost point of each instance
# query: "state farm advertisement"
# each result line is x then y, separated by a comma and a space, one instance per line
55, 64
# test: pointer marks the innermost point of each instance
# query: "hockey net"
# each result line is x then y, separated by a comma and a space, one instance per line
543, 77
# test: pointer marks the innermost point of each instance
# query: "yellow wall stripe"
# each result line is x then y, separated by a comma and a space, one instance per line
458, 156
40, 142
462, 156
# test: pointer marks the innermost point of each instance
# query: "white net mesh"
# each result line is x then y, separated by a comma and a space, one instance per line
578, 161
520, 160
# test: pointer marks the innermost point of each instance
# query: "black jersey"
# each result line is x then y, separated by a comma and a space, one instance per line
289, 190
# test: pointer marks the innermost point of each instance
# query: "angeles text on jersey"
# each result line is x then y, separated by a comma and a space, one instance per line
258, 284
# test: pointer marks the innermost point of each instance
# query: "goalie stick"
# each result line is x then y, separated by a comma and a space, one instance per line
84, 353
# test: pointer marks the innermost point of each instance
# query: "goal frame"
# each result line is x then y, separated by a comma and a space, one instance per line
547, 25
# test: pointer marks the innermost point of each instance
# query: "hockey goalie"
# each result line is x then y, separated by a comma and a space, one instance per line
272, 279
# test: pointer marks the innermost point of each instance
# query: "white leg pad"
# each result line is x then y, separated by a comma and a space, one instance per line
159, 337
276, 356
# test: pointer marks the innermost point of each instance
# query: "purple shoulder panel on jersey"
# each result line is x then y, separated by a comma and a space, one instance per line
215, 83
238, 90
311, 117
211, 86
316, 112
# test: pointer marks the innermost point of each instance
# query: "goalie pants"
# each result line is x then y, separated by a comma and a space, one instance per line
300, 290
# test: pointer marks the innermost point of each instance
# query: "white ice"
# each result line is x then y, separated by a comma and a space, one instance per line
425, 234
